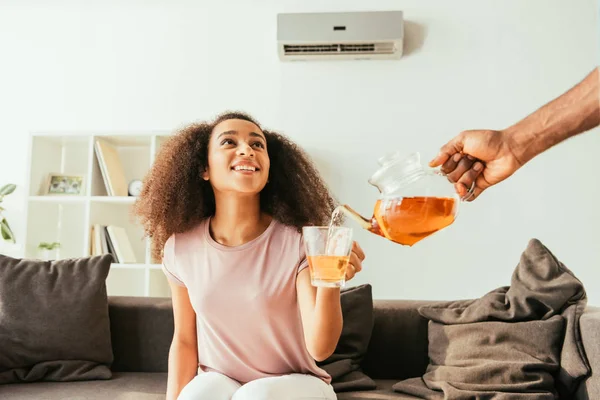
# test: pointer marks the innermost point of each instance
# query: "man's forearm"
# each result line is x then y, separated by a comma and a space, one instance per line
574, 112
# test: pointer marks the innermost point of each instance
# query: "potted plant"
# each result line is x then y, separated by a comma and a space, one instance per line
48, 250
5, 232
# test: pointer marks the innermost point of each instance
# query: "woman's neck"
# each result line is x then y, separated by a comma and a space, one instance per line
238, 219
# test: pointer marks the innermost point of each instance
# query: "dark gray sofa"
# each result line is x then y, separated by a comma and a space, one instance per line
142, 329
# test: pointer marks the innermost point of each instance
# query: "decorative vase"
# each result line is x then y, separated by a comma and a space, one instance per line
48, 255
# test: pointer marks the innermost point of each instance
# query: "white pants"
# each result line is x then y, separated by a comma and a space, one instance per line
214, 386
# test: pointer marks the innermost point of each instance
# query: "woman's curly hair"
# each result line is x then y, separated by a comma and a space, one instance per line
175, 198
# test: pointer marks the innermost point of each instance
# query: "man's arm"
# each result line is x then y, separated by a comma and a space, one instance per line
487, 157
574, 112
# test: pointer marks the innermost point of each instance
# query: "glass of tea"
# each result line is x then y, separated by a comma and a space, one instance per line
328, 251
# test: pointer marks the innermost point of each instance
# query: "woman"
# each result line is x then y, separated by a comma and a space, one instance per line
225, 202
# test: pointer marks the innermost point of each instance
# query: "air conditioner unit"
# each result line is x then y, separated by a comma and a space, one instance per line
340, 36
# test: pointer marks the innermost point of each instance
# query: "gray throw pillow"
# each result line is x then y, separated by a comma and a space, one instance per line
54, 323
519, 341
344, 364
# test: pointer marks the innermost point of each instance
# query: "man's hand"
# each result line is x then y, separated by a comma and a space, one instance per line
356, 259
482, 156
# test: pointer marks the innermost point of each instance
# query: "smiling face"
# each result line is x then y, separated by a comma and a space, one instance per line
237, 158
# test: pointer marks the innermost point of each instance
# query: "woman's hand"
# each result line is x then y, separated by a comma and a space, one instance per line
356, 259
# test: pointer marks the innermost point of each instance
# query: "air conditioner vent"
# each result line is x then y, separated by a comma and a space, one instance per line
322, 49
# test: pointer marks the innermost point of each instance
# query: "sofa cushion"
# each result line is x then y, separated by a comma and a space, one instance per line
384, 391
522, 340
590, 336
398, 347
489, 359
145, 386
142, 331
122, 386
54, 322
344, 364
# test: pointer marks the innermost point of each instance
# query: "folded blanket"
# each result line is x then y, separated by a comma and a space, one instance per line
516, 342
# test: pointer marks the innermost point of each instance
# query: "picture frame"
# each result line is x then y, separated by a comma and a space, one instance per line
58, 184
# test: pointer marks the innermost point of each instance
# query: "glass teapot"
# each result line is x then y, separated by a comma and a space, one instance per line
414, 201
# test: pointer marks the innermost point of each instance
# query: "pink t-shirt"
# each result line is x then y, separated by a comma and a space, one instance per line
247, 315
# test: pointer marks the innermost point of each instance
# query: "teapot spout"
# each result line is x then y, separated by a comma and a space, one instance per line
362, 221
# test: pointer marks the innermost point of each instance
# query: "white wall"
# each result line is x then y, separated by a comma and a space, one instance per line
470, 64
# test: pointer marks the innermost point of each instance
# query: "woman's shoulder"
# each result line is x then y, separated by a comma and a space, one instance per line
289, 237
290, 231
193, 233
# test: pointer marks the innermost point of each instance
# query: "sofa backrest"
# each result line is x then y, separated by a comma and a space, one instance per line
142, 330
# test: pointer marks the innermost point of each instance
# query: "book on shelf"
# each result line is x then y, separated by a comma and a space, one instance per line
111, 168
111, 239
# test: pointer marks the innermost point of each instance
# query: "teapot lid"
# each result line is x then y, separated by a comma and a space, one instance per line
395, 167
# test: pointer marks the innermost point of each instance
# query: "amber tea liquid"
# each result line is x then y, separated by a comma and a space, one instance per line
408, 220
328, 270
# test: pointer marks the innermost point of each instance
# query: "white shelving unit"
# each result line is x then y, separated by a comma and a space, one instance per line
68, 219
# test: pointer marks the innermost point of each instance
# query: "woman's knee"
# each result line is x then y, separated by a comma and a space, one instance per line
209, 385
287, 387
259, 390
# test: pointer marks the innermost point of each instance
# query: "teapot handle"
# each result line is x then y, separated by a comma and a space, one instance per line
470, 192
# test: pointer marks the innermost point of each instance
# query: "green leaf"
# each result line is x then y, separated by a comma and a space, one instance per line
49, 246
7, 189
6, 232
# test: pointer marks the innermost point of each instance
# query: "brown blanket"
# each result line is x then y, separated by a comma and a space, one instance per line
516, 342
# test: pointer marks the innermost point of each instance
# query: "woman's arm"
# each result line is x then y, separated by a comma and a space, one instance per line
183, 354
321, 313
321, 309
